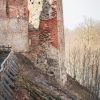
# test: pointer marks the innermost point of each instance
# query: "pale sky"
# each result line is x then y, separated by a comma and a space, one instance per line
76, 10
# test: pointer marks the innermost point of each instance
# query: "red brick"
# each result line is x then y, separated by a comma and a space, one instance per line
51, 27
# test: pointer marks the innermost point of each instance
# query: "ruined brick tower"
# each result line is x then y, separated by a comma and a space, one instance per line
46, 23
29, 24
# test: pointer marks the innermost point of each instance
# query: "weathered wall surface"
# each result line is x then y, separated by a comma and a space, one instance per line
14, 24
43, 17
50, 37
35, 8
13, 32
48, 23
61, 42
48, 32
18, 9
44, 20
2, 8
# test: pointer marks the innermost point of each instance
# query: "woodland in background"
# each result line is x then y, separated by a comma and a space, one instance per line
83, 54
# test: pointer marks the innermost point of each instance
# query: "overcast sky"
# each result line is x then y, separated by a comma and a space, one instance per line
76, 10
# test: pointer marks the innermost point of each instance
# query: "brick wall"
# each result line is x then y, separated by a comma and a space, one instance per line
18, 9
48, 31
2, 8
14, 24
51, 38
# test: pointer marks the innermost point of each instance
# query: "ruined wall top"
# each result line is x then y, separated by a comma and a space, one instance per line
41, 10
49, 10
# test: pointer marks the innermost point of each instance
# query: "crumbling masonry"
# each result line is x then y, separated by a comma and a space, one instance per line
34, 31
45, 30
